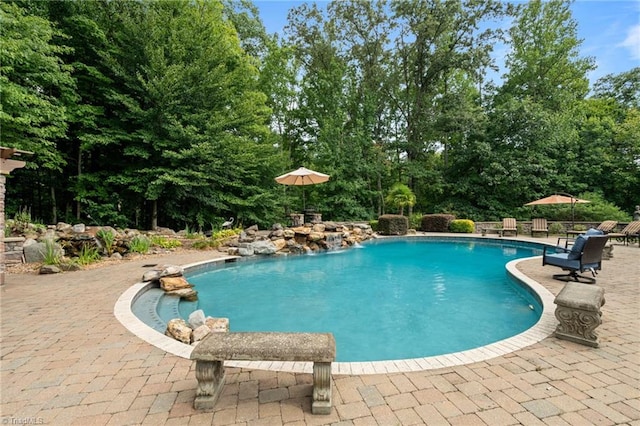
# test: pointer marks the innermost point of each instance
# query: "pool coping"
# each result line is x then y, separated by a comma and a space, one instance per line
539, 331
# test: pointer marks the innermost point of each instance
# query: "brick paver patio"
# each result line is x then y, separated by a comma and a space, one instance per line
66, 360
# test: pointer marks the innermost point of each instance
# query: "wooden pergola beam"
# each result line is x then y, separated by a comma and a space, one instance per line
10, 152
7, 166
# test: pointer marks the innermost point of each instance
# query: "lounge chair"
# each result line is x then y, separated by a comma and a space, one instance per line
584, 255
628, 233
606, 227
509, 225
539, 225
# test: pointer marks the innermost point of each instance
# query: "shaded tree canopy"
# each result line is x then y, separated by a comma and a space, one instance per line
181, 113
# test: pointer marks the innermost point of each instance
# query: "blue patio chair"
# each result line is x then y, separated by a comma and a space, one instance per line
584, 255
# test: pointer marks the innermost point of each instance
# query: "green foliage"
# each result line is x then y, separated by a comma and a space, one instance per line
108, 239
392, 224
88, 254
400, 196
462, 226
191, 235
185, 111
217, 239
556, 228
51, 253
23, 217
415, 220
139, 244
436, 222
597, 210
21, 221
35, 85
164, 242
374, 225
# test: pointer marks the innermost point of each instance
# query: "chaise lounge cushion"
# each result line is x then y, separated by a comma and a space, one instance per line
562, 260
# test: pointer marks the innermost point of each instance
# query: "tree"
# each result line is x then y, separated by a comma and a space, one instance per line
439, 45
623, 87
35, 86
400, 196
534, 114
201, 144
544, 62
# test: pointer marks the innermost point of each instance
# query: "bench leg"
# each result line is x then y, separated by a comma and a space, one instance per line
210, 376
578, 325
321, 403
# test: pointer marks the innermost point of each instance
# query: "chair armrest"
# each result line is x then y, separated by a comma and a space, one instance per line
557, 249
567, 241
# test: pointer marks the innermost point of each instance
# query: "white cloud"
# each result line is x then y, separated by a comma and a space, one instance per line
632, 42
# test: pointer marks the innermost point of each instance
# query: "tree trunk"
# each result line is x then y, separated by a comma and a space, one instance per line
154, 215
54, 210
78, 207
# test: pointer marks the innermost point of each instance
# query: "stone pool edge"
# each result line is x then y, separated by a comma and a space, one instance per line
539, 331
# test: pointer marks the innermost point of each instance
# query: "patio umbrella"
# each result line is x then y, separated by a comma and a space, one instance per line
559, 199
302, 177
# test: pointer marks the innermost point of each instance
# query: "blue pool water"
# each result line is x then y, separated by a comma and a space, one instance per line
391, 299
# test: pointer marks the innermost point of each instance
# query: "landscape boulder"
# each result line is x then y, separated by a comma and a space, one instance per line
179, 330
174, 283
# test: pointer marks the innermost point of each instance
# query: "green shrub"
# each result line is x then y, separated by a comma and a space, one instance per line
393, 224
108, 238
139, 244
164, 242
556, 228
579, 227
191, 235
23, 217
462, 226
225, 233
217, 239
374, 225
436, 222
88, 254
51, 253
203, 244
415, 220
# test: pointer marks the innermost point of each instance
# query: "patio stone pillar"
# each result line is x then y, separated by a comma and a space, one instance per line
7, 165
3, 179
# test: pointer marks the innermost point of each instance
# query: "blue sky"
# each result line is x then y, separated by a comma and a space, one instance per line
610, 30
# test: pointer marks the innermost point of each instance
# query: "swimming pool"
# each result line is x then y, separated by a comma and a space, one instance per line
392, 299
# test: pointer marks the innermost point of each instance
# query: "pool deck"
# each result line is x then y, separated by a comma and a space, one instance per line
66, 359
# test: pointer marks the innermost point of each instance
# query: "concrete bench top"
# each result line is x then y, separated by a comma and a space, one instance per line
581, 296
266, 346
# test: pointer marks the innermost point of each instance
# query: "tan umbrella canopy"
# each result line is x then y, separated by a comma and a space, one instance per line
302, 177
556, 199
559, 199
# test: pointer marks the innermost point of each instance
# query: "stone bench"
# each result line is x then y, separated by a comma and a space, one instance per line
578, 310
213, 350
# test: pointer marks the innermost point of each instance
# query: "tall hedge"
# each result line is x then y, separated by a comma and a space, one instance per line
393, 224
436, 222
